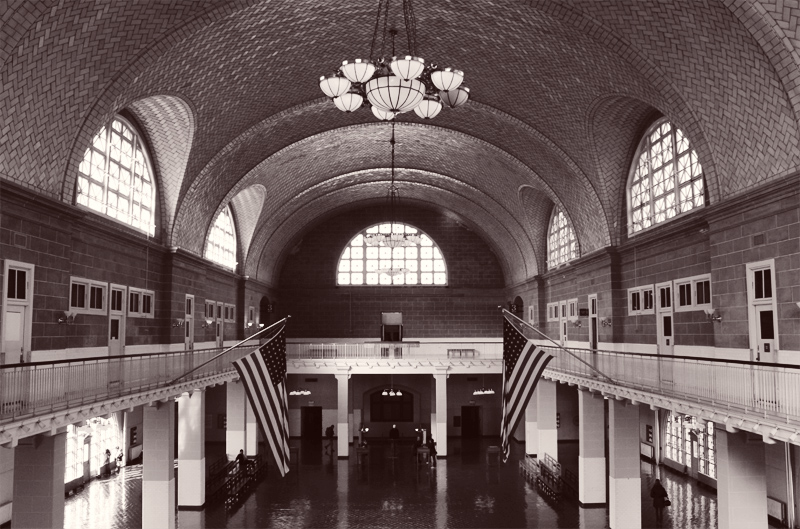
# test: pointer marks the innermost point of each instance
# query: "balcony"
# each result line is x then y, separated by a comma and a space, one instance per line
763, 399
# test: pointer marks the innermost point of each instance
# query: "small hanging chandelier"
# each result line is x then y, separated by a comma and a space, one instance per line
483, 390
396, 84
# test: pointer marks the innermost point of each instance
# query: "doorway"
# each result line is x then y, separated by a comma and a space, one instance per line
18, 305
470, 422
311, 423
311, 434
665, 339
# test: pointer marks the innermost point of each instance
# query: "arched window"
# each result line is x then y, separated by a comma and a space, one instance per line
666, 178
221, 243
115, 176
561, 244
408, 259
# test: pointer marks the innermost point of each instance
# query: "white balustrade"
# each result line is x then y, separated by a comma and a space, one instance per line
767, 390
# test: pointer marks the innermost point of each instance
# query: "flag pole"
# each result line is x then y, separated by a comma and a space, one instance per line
265, 329
529, 326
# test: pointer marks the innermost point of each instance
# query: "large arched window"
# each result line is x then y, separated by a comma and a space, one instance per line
561, 244
115, 176
221, 243
394, 261
666, 178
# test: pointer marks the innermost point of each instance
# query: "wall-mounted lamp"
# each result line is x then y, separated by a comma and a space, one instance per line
260, 325
207, 323
605, 322
711, 315
798, 304
248, 324
300, 391
178, 322
577, 323
68, 317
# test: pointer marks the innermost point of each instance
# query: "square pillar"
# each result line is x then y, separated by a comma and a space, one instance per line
591, 449
624, 474
236, 413
342, 417
192, 449
250, 429
158, 466
39, 463
441, 415
546, 405
741, 480
532, 426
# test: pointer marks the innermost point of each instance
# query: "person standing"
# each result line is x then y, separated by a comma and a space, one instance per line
660, 499
329, 436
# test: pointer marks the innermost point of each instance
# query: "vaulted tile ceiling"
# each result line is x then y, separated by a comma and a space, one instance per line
561, 91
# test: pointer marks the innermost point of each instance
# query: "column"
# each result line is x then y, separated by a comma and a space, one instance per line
546, 415
158, 466
591, 449
342, 426
235, 426
532, 426
624, 476
441, 415
192, 449
741, 481
39, 481
251, 430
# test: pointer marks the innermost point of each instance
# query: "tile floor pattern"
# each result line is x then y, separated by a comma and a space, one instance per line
459, 492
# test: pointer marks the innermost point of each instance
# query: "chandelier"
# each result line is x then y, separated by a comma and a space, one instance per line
396, 84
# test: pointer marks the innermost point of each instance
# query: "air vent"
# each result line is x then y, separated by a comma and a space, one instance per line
759, 239
472, 379
311, 380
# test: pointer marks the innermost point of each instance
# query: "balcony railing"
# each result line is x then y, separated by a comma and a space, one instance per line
768, 390
37, 388
395, 350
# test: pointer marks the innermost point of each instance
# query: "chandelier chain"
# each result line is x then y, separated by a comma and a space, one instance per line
411, 27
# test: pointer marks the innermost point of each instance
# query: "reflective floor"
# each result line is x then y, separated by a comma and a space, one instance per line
462, 491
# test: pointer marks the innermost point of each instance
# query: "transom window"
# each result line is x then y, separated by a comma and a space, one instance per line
115, 179
221, 244
666, 178
392, 261
561, 244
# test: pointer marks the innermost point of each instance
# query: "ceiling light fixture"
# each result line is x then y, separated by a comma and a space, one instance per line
394, 235
396, 84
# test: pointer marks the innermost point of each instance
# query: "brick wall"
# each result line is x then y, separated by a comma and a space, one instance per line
466, 307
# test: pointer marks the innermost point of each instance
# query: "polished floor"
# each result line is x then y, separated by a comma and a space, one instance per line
462, 491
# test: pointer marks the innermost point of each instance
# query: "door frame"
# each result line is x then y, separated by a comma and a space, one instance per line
189, 310
753, 307
27, 310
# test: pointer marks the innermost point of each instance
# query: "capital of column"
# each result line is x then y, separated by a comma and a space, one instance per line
343, 373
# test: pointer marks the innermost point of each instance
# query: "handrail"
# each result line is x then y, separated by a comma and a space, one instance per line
768, 390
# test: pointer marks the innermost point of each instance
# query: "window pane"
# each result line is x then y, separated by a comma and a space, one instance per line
561, 244
373, 253
110, 162
663, 183
221, 242
78, 297
767, 327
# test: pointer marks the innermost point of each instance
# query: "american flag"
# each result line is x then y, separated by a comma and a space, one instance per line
523, 364
263, 373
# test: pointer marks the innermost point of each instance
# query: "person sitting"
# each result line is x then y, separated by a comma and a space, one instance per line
432, 447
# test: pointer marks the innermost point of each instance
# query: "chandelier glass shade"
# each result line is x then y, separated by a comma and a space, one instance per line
395, 84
